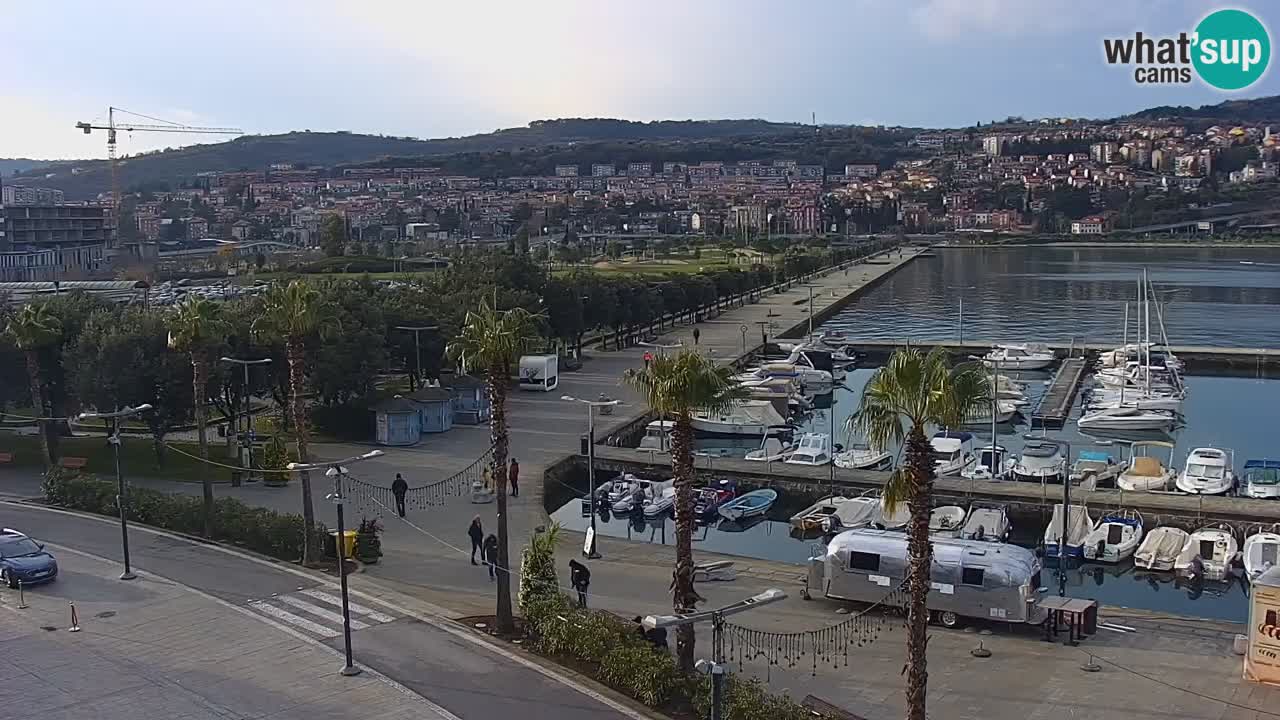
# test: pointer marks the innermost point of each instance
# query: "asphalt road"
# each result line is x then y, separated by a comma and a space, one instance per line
462, 676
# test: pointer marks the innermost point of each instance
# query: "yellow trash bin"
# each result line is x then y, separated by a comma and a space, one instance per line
348, 542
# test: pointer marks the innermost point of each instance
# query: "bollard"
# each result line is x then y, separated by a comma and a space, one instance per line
75, 620
22, 598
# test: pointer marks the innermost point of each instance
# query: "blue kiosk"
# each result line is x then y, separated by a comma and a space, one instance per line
470, 399
398, 422
435, 409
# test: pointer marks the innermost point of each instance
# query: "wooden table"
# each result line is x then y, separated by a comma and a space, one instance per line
1079, 615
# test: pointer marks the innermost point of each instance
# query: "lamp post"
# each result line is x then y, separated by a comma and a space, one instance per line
590, 550
717, 666
337, 470
246, 441
962, 288
417, 348
122, 495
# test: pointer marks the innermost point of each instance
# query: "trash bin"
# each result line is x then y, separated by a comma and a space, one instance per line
348, 541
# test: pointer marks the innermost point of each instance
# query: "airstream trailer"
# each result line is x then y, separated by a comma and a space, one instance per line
970, 578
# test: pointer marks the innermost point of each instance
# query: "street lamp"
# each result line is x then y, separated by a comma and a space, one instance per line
417, 348
716, 667
122, 497
246, 441
590, 550
337, 471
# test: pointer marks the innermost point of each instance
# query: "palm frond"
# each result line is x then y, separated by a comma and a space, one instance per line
34, 327
678, 384
490, 338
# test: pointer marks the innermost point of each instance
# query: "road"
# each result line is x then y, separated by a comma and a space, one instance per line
449, 667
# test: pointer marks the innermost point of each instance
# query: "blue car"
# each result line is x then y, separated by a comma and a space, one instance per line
23, 559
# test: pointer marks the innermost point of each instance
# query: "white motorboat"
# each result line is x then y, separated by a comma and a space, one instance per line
1094, 468
745, 417
1144, 472
1029, 356
854, 512
1261, 551
952, 452
628, 502
816, 515
1113, 399
994, 463
1005, 410
1262, 478
986, 522
816, 358
1127, 418
665, 500
947, 520
773, 448
1041, 461
894, 519
1208, 553
1115, 537
657, 436
836, 345
1124, 354
1208, 472
1159, 550
1077, 525
808, 377
1007, 388
814, 449
638, 493
861, 456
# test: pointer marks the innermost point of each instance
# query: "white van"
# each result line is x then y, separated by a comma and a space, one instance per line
539, 372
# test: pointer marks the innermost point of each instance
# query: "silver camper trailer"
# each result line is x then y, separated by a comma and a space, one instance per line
970, 578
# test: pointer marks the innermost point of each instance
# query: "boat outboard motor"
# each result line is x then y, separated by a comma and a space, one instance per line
1196, 570
980, 533
1102, 549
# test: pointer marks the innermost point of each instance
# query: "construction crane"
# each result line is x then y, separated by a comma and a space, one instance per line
112, 126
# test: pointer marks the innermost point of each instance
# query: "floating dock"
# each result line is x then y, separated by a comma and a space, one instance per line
1250, 362
1055, 404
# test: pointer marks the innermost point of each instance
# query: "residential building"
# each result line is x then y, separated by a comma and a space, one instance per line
993, 145
52, 242
23, 195
1092, 225
931, 141
602, 170
861, 171
566, 171
197, 228
640, 169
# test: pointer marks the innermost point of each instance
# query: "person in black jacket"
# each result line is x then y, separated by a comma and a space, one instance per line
491, 555
580, 579
476, 533
399, 488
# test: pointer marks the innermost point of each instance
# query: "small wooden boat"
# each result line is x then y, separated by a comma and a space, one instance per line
752, 504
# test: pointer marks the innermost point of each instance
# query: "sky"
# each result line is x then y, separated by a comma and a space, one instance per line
437, 68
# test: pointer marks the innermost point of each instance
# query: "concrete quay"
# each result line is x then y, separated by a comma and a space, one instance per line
1253, 361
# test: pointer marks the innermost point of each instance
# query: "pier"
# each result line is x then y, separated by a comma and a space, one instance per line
1251, 362
1055, 404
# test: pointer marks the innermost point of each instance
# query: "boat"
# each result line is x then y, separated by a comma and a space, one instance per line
1207, 472
1078, 526
628, 502
808, 377
1094, 468
1261, 551
1029, 356
657, 436
638, 493
816, 515
947, 520
1007, 388
1108, 399
994, 463
1262, 478
1144, 472
745, 417
1160, 548
836, 346
747, 505
854, 512
952, 452
816, 359
661, 504
1159, 354
707, 500
1208, 553
986, 522
1005, 410
1115, 537
1042, 461
894, 519
1127, 418
861, 456
814, 449
772, 448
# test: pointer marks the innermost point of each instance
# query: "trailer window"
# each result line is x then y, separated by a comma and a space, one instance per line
971, 576
864, 561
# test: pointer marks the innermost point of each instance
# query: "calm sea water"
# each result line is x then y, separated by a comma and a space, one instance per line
1212, 297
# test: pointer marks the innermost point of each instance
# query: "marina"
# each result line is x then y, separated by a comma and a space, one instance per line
1055, 404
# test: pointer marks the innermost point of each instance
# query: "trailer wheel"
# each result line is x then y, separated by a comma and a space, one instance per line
948, 619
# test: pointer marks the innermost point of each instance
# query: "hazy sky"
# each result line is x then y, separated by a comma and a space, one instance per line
432, 68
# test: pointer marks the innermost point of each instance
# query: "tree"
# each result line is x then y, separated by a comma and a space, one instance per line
31, 330
908, 394
196, 328
259, 260
293, 313
522, 240
492, 340
333, 235
674, 386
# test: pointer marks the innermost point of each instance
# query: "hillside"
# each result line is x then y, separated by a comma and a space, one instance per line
10, 166
1253, 111
255, 152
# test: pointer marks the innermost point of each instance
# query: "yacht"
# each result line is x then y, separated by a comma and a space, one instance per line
1261, 551
1115, 537
1208, 472
986, 522
1160, 548
994, 463
808, 377
745, 417
657, 436
1159, 354
1262, 478
1144, 472
814, 449
1007, 388
1208, 553
1005, 410
947, 520
1094, 468
1078, 526
1127, 418
1042, 461
861, 456
1032, 356
772, 448
816, 359
1108, 399
836, 345
952, 452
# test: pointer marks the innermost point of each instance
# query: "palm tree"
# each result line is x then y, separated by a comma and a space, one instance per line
493, 340
31, 330
676, 386
195, 329
913, 391
293, 313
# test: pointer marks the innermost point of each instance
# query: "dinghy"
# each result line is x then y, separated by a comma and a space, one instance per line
752, 504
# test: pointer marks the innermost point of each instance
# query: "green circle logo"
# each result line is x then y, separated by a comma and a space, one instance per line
1231, 49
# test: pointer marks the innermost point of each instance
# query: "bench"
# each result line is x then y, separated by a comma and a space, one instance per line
73, 463
818, 706
6, 458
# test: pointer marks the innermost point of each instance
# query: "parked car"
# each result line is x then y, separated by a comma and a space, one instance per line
24, 559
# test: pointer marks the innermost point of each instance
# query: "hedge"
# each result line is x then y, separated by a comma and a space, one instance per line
278, 535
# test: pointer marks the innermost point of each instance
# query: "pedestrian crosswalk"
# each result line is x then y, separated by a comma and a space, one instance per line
317, 612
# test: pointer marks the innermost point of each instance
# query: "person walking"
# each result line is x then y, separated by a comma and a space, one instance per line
580, 579
697, 334
513, 477
490, 554
399, 488
648, 358
476, 533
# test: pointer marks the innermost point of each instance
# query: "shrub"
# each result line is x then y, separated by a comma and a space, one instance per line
747, 699
642, 672
276, 456
348, 421
538, 567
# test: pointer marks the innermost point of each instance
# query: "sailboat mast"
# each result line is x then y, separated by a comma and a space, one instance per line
1146, 344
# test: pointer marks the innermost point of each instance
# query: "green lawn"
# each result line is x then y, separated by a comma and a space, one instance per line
137, 457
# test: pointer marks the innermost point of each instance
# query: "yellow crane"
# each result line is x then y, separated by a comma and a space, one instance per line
164, 126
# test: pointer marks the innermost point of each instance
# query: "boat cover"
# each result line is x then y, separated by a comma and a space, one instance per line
1146, 467
1162, 546
1078, 526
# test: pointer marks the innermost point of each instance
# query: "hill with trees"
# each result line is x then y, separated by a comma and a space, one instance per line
1252, 111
